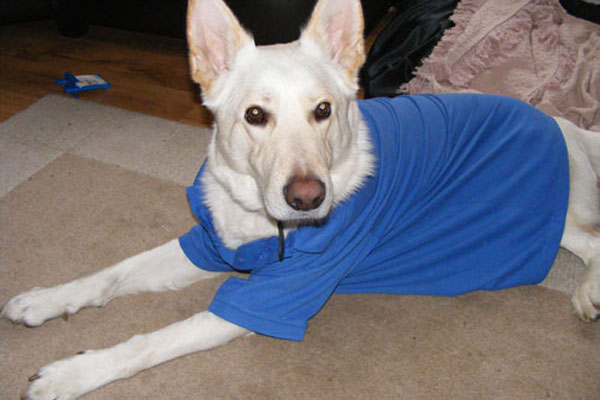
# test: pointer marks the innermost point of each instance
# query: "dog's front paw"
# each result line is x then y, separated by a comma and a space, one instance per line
65, 379
34, 307
586, 300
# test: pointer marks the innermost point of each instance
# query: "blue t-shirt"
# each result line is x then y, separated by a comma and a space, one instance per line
470, 192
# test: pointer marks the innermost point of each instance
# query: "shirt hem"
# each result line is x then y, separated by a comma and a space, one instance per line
255, 323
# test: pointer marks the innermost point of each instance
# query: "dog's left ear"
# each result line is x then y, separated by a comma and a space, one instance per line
337, 26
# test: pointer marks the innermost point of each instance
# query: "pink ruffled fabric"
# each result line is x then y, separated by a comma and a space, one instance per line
529, 49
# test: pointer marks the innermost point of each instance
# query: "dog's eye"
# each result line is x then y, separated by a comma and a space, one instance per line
322, 111
256, 116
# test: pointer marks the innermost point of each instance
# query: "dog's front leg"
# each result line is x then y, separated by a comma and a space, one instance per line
163, 268
75, 376
586, 299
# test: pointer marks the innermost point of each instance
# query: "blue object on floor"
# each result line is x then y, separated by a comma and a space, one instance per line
75, 84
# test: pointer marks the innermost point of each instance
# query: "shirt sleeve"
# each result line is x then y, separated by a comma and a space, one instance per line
199, 246
279, 299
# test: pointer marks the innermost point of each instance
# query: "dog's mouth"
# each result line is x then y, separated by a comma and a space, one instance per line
293, 217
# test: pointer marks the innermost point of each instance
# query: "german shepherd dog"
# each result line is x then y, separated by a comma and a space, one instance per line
289, 147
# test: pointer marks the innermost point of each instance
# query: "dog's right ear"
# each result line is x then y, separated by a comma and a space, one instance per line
214, 38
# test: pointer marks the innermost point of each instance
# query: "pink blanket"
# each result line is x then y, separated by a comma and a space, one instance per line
529, 49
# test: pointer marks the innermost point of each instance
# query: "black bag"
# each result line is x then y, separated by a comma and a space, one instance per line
582, 9
408, 38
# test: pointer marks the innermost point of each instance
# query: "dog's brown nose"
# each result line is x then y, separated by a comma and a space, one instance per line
304, 193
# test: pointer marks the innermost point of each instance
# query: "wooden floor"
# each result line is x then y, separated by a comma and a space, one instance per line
148, 73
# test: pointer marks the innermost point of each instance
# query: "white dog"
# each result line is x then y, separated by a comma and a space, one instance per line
293, 186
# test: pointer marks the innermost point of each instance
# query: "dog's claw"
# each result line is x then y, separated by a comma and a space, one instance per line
65, 317
34, 377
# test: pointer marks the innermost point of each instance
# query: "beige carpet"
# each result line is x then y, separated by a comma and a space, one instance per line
102, 193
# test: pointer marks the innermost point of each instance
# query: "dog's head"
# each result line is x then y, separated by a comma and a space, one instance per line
286, 139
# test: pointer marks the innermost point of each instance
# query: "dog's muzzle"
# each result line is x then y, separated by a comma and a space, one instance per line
302, 193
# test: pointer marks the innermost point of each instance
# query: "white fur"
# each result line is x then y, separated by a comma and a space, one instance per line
247, 168
581, 234
72, 377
